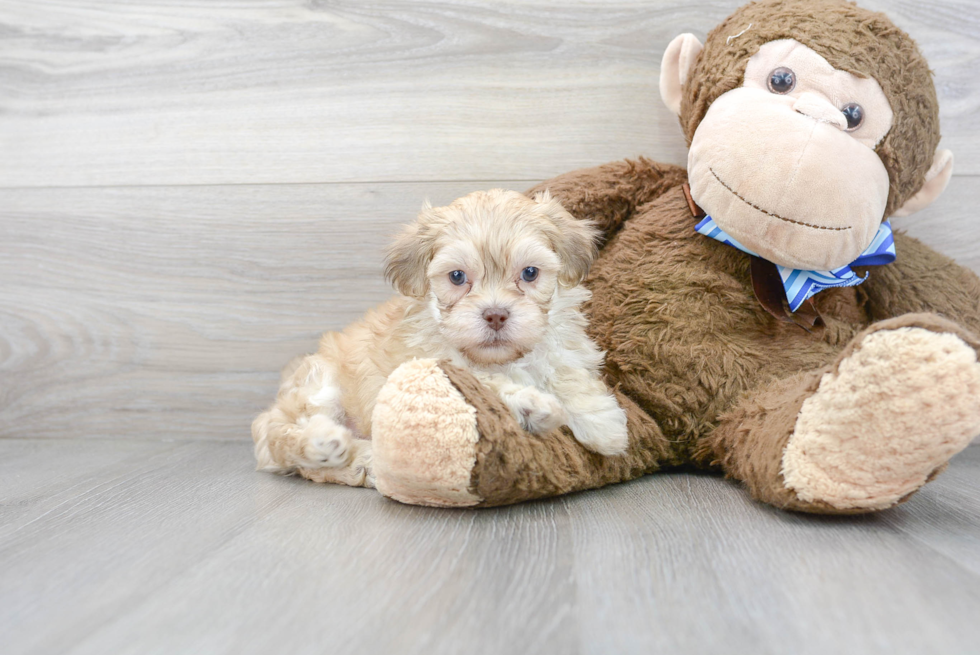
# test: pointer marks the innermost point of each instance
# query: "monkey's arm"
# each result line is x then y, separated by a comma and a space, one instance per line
922, 280
609, 194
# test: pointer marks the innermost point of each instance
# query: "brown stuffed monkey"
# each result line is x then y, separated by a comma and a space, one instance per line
751, 320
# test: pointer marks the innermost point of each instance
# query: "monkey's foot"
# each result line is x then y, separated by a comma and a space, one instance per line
425, 437
886, 420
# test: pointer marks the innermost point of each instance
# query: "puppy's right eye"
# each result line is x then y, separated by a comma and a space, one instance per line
529, 274
457, 277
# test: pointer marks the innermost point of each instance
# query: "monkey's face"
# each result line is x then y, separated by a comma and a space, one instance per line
786, 163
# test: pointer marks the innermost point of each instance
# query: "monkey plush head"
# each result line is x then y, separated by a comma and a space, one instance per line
809, 123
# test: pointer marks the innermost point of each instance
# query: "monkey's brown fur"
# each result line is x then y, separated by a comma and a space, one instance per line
689, 346
707, 376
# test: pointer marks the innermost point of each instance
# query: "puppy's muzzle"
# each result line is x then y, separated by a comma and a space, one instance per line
496, 317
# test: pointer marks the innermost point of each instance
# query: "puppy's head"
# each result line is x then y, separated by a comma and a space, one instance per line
491, 264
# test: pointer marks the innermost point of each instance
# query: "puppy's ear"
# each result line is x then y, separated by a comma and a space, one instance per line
574, 240
407, 259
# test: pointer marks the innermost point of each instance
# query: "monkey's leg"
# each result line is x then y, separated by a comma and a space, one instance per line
609, 194
537, 411
441, 438
923, 280
864, 433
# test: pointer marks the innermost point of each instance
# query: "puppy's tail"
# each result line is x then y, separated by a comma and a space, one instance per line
262, 430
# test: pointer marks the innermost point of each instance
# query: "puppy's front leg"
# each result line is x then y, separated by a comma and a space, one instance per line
537, 411
303, 429
596, 419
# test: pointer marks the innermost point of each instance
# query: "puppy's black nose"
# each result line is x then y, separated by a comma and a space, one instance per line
496, 317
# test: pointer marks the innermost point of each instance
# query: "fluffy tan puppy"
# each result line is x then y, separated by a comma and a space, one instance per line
490, 283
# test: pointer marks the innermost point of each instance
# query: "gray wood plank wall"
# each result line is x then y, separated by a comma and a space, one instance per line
191, 192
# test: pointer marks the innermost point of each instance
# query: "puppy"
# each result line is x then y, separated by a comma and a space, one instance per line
490, 283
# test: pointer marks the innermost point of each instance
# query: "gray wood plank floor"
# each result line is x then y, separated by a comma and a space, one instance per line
179, 547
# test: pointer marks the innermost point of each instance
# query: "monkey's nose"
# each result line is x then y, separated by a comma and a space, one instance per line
815, 106
496, 317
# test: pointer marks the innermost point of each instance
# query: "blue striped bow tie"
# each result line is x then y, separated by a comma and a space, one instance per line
801, 285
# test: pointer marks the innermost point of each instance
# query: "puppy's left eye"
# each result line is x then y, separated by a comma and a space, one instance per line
457, 277
529, 274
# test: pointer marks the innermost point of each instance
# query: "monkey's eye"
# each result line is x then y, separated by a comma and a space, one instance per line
457, 277
529, 274
782, 80
854, 115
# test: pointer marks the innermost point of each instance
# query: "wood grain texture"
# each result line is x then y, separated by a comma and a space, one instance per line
171, 92
168, 311
156, 312
127, 547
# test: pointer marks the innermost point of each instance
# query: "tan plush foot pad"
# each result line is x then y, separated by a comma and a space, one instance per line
892, 414
425, 436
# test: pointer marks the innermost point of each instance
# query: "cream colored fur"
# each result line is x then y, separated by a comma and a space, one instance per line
894, 412
540, 360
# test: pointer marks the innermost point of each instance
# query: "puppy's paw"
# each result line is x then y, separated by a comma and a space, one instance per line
358, 473
538, 412
326, 443
603, 430
362, 464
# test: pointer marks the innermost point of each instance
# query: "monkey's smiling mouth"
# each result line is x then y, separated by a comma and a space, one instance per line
769, 213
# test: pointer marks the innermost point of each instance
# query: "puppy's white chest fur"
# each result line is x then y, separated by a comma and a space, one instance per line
563, 345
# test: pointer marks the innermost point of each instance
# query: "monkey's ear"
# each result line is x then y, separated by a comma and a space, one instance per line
937, 177
408, 257
675, 69
574, 240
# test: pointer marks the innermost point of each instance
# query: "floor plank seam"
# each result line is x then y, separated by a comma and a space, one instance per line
529, 181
